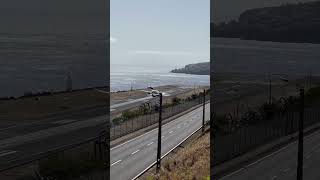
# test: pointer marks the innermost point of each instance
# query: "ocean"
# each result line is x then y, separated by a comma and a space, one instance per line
125, 77
36, 63
248, 56
42, 62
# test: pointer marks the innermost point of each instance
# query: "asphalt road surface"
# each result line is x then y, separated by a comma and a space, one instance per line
20, 142
132, 157
26, 139
116, 108
282, 164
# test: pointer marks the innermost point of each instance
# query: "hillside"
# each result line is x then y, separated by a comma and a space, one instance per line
286, 23
198, 69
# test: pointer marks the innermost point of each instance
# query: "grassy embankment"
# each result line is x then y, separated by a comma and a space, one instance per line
190, 162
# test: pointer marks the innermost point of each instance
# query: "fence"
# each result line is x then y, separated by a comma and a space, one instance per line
135, 124
245, 138
86, 160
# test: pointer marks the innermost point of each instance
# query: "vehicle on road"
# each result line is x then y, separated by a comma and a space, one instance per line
153, 92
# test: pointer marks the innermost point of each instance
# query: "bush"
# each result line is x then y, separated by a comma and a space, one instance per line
176, 100
127, 114
144, 109
64, 168
117, 120
312, 96
251, 117
194, 96
221, 123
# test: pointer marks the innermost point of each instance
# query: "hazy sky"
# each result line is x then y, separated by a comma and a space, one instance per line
53, 16
225, 10
174, 32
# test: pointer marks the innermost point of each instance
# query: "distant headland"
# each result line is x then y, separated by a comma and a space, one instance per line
296, 23
196, 69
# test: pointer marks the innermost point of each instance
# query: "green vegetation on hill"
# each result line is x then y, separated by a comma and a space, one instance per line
198, 69
286, 23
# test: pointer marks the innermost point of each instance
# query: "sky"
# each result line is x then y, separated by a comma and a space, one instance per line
53, 16
225, 10
159, 32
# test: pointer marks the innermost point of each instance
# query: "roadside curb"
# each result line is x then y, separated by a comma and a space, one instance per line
233, 165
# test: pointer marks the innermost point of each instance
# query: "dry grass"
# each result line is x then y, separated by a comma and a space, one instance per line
192, 162
34, 108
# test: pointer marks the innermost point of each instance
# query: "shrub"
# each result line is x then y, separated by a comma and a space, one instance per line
63, 168
176, 100
312, 96
117, 120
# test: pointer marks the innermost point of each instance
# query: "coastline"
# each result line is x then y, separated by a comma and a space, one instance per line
76, 104
47, 93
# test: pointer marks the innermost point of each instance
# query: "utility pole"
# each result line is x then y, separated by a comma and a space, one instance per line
159, 134
203, 109
310, 80
300, 143
270, 98
69, 82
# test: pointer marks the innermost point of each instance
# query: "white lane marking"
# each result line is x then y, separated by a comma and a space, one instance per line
162, 137
265, 157
235, 172
287, 146
149, 144
170, 132
152, 164
286, 170
116, 162
66, 121
5, 153
178, 127
135, 152
197, 110
10, 127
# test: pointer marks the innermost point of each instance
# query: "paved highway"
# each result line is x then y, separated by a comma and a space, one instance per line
117, 107
282, 164
20, 142
131, 158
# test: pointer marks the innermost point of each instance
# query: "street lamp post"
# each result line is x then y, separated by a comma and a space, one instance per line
300, 141
270, 98
159, 134
203, 109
